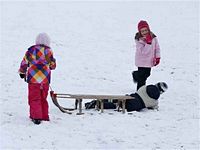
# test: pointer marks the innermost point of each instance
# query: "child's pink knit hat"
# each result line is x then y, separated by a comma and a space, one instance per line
43, 39
143, 24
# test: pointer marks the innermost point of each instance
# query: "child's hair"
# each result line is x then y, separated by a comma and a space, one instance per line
138, 35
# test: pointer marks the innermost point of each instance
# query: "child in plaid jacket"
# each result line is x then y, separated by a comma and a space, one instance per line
36, 68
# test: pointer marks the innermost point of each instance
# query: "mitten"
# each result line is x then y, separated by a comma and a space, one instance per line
52, 66
22, 75
156, 61
148, 39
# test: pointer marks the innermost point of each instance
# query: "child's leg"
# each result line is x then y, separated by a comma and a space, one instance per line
140, 84
143, 74
135, 104
45, 106
34, 100
138, 78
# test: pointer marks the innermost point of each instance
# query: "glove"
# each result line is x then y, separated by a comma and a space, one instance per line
52, 66
22, 75
148, 39
156, 61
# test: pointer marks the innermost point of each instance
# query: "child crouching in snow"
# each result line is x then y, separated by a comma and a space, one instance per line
36, 66
146, 97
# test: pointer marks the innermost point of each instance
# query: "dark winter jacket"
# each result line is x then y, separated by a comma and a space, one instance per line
149, 94
145, 97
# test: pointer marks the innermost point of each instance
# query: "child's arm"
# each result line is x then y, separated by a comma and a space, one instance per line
24, 64
157, 50
156, 60
52, 64
143, 47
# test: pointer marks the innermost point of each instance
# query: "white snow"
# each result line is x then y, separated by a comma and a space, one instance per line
93, 43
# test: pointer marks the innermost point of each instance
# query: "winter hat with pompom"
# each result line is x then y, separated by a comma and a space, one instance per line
162, 86
43, 39
143, 24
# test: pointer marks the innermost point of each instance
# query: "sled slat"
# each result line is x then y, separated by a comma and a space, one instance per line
77, 96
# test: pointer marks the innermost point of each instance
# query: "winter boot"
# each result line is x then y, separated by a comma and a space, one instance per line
36, 121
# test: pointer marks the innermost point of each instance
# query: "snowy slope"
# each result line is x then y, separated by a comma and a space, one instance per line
94, 47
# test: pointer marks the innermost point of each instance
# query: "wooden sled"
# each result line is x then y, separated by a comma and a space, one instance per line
79, 98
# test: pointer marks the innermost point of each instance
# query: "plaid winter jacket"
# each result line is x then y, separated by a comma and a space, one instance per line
39, 61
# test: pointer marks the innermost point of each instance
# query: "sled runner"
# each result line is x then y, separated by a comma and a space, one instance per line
79, 98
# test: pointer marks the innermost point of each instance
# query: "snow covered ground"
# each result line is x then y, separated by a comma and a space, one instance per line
94, 47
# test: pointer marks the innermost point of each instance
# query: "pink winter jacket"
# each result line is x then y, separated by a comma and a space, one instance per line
146, 53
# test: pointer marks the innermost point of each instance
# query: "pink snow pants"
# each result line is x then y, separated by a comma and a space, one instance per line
37, 100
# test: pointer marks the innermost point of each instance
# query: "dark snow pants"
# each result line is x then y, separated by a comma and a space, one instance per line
140, 76
135, 104
37, 100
